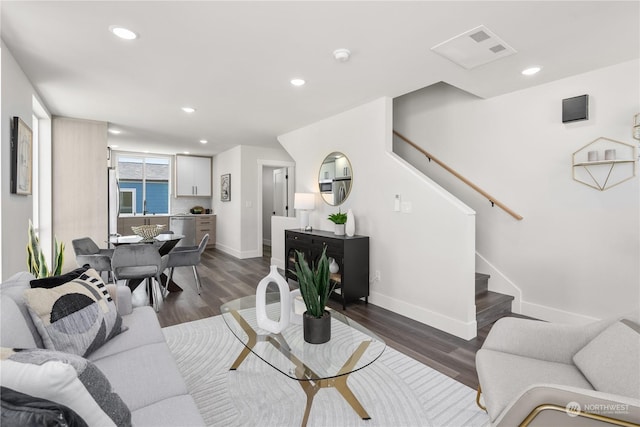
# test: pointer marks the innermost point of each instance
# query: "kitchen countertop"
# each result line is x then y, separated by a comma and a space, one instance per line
190, 214
159, 215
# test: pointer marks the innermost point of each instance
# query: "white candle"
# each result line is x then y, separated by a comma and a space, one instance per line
610, 154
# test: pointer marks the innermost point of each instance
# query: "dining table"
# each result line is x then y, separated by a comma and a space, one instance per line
166, 241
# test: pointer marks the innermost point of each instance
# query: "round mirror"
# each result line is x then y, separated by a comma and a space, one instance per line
334, 179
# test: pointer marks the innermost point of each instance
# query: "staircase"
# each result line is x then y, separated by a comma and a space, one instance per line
490, 306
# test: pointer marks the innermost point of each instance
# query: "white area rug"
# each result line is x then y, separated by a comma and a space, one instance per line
395, 390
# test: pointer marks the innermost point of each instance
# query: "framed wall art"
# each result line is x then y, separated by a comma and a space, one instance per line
21, 157
225, 187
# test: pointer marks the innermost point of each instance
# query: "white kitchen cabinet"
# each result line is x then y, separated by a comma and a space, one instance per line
193, 176
343, 168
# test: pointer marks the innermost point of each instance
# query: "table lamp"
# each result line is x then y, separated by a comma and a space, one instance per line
304, 202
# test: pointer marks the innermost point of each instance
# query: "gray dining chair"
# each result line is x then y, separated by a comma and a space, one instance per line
187, 256
140, 261
88, 253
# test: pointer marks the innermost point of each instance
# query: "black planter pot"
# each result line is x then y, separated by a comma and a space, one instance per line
317, 330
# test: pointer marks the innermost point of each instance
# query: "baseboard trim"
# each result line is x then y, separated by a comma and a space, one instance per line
277, 262
228, 250
550, 314
464, 330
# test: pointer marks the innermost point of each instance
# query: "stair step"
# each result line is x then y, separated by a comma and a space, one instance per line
482, 283
491, 306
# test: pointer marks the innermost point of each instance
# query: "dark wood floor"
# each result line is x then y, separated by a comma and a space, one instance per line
225, 278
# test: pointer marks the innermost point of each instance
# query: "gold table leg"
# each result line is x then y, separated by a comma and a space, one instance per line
253, 338
312, 387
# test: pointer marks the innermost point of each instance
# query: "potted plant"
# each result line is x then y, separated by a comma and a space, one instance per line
36, 262
315, 289
339, 219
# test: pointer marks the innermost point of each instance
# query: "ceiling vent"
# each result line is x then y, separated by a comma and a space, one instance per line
473, 48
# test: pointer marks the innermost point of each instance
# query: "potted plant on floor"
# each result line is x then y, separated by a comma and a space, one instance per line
339, 219
315, 289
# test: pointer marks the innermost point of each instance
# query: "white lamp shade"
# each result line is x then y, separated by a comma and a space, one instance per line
304, 201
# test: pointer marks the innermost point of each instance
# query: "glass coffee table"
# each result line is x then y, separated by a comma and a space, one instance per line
315, 366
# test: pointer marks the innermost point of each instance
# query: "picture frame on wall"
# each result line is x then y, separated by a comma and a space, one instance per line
225, 187
21, 157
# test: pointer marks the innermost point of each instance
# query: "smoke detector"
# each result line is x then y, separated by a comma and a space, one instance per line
341, 55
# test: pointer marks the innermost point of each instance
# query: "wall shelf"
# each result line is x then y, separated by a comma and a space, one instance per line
604, 174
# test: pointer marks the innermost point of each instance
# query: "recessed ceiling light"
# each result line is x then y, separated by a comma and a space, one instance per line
188, 109
114, 131
531, 71
203, 141
297, 82
123, 33
185, 152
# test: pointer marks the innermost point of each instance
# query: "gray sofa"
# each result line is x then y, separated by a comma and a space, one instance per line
546, 374
137, 362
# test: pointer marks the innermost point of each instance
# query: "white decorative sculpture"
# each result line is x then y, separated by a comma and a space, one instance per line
263, 320
350, 226
333, 266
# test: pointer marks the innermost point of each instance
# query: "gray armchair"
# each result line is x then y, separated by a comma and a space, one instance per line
187, 256
534, 373
140, 261
88, 253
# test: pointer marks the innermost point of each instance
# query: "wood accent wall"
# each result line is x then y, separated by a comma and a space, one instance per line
79, 182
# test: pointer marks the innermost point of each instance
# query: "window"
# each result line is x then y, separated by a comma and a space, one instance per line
144, 184
127, 199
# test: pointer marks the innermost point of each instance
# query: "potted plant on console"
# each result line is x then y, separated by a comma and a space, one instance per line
315, 289
339, 219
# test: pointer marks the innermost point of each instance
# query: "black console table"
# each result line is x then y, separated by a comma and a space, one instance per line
351, 254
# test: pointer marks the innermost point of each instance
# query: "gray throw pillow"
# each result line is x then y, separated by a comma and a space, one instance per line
611, 360
77, 317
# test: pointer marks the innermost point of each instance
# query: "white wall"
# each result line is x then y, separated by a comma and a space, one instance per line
278, 225
575, 255
228, 224
425, 258
17, 100
239, 222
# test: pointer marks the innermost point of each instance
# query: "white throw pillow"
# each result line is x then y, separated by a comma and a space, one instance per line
611, 360
40, 377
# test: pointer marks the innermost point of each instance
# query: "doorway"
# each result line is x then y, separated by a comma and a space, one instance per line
275, 197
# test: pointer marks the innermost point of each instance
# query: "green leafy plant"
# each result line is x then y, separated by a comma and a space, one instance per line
36, 262
338, 218
314, 282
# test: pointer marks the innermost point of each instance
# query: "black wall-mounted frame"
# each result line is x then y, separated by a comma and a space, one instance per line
575, 109
21, 157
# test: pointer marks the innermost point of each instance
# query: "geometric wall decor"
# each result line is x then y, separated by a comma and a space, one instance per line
604, 163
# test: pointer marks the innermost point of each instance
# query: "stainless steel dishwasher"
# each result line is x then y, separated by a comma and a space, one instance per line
185, 225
